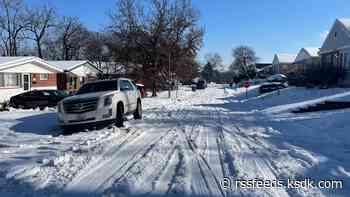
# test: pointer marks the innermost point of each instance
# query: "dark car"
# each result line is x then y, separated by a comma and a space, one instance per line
37, 98
270, 87
201, 84
278, 78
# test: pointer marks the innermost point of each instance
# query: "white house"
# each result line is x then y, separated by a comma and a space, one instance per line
306, 57
335, 50
19, 74
84, 69
306, 54
76, 73
282, 63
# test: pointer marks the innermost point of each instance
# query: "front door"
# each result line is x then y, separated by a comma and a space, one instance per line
26, 82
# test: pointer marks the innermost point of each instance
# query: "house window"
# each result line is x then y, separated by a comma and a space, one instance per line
10, 80
44, 77
335, 34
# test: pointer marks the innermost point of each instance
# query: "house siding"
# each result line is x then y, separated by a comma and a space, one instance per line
68, 82
50, 82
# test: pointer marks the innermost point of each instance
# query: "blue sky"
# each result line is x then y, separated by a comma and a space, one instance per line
269, 26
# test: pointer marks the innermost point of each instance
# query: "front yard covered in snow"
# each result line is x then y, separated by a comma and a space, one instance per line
184, 146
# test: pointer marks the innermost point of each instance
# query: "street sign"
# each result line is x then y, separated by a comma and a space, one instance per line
246, 84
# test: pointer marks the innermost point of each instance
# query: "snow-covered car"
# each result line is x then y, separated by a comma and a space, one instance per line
273, 86
100, 102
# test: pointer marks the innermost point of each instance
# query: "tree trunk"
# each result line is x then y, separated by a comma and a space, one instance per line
40, 54
154, 87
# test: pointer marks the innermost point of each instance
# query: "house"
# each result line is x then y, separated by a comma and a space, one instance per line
335, 50
283, 63
263, 69
306, 57
20, 74
75, 74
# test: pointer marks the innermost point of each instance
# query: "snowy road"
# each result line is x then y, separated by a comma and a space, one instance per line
182, 147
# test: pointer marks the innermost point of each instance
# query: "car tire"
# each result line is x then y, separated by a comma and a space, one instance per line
120, 116
138, 112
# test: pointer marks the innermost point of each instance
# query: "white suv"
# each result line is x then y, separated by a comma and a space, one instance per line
100, 102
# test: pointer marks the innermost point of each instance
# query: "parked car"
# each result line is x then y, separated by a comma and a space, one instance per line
272, 86
37, 99
100, 102
194, 87
201, 84
278, 78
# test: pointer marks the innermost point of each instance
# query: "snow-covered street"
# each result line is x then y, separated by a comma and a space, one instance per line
184, 146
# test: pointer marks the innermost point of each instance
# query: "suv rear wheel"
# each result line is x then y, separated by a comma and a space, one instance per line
120, 116
138, 112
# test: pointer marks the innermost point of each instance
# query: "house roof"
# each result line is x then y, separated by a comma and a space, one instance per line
345, 22
7, 62
339, 36
312, 51
68, 65
286, 58
307, 53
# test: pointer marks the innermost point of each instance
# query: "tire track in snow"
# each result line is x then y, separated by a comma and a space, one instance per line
93, 179
210, 177
252, 164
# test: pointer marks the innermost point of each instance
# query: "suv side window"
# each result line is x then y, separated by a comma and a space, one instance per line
132, 87
126, 85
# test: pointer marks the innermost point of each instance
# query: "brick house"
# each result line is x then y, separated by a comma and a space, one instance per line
75, 74
20, 74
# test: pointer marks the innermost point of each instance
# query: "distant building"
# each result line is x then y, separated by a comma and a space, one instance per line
335, 50
264, 69
283, 63
306, 57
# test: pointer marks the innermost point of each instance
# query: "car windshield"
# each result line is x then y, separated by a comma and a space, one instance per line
57, 93
98, 87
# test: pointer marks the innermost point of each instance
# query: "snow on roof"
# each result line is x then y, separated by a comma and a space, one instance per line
67, 65
286, 58
8, 60
345, 22
312, 51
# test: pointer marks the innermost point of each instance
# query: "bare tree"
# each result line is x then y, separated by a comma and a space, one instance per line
96, 49
214, 59
71, 35
161, 38
12, 25
40, 20
244, 61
